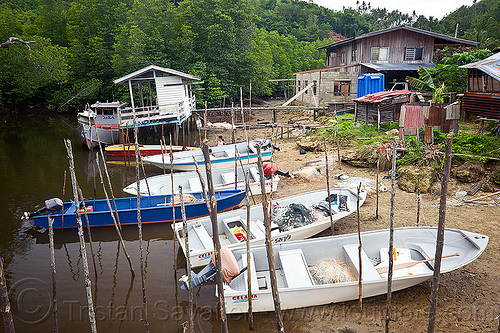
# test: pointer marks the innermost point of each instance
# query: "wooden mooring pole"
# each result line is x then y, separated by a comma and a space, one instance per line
418, 200
171, 154
377, 185
83, 252
118, 230
269, 246
139, 226
440, 234
332, 226
8, 321
391, 239
53, 266
249, 271
188, 261
215, 232
88, 232
360, 284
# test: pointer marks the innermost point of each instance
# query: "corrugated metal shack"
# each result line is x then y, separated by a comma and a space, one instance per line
382, 107
483, 88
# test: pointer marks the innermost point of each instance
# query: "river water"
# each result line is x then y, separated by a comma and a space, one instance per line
33, 160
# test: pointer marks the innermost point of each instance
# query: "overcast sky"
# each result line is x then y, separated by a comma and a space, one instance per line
435, 8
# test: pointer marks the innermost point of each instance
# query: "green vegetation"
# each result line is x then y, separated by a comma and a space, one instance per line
82, 45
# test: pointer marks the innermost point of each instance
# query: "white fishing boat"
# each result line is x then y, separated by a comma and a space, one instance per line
223, 179
220, 156
293, 218
102, 118
326, 270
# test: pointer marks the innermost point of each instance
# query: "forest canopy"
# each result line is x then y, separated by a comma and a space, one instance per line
77, 48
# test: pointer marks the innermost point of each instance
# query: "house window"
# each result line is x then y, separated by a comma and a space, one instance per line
353, 52
414, 53
380, 53
305, 85
331, 59
341, 88
342, 58
314, 88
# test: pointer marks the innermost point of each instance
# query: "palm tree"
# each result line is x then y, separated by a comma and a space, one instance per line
425, 82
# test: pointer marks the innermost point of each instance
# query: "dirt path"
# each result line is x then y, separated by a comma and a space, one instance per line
469, 298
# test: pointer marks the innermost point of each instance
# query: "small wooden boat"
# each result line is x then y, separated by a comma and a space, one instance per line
154, 209
121, 150
221, 156
223, 179
100, 123
231, 224
325, 270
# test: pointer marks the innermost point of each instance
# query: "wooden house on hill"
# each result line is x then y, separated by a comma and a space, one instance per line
483, 88
395, 52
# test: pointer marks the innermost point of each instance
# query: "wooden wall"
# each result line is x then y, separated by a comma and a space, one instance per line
478, 81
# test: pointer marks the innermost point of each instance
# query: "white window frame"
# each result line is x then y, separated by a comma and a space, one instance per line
380, 53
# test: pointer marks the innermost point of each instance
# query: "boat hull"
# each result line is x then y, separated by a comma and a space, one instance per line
107, 135
420, 241
162, 184
144, 150
154, 209
200, 256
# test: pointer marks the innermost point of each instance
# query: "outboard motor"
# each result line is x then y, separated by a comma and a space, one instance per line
229, 270
52, 205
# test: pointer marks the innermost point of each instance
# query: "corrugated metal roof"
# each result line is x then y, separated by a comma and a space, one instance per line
381, 96
397, 66
145, 73
420, 31
490, 66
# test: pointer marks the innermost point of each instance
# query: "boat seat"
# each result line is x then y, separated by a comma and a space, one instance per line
255, 174
253, 278
230, 152
228, 177
252, 148
294, 266
257, 229
203, 236
352, 257
195, 185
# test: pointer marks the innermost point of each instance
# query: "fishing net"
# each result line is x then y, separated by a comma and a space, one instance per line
292, 216
328, 271
188, 198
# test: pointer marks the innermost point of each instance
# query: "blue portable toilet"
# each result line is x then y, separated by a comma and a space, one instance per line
370, 83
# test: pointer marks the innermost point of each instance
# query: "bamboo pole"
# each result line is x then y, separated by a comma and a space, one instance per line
88, 231
232, 122
246, 133
53, 266
109, 180
171, 154
440, 234
269, 247
418, 201
139, 226
63, 193
83, 252
236, 168
145, 176
360, 285
188, 260
250, 101
338, 144
391, 238
377, 187
8, 321
215, 233
249, 271
118, 231
205, 120
162, 148
328, 189
241, 165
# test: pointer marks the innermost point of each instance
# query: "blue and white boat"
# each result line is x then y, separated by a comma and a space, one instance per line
220, 157
154, 209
